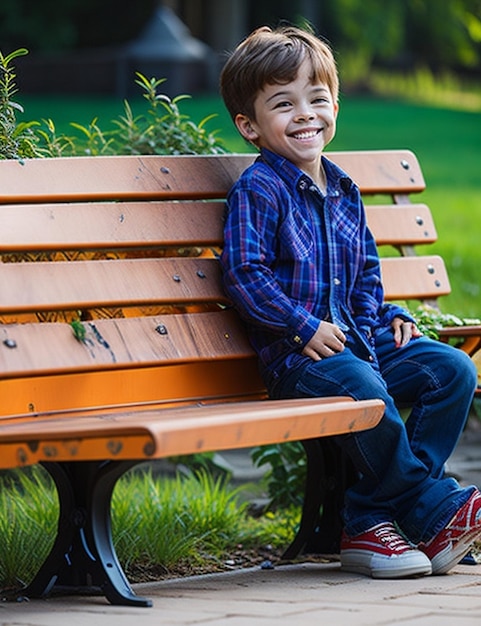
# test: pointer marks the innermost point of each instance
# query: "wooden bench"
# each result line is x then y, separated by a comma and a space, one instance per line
118, 345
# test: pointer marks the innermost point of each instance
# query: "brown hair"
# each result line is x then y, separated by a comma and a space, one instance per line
269, 56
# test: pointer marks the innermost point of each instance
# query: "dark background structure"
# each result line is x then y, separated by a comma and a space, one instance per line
92, 46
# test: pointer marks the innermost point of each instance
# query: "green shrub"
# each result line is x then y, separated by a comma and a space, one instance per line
430, 320
287, 474
163, 129
17, 139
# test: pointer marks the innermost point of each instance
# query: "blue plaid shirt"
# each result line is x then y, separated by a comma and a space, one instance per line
294, 257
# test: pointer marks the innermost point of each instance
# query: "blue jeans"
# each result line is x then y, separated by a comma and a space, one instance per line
400, 463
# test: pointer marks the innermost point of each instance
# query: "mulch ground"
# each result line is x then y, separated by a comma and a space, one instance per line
239, 558
265, 557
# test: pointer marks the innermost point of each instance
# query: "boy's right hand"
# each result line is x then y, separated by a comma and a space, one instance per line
326, 341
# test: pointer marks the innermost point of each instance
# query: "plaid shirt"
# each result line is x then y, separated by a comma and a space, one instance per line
294, 257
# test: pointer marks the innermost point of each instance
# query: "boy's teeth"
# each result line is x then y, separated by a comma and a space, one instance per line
306, 135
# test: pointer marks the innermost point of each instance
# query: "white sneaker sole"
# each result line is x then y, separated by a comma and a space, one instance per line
449, 557
410, 564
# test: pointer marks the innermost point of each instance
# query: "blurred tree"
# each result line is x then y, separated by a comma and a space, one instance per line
444, 34
439, 34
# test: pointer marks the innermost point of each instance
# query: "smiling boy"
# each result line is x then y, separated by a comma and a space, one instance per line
301, 267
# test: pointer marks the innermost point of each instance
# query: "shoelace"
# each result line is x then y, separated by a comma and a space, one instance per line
388, 535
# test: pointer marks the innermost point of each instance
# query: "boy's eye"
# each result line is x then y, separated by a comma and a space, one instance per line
282, 104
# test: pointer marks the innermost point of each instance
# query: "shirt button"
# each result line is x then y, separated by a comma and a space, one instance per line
337, 282
297, 339
370, 358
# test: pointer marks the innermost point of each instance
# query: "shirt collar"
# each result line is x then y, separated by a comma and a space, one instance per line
337, 179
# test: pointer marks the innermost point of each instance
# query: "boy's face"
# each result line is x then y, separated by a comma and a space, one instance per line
295, 120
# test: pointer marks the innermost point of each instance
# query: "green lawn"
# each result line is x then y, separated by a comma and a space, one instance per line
447, 142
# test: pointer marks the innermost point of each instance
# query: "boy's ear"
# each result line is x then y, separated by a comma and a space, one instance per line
244, 126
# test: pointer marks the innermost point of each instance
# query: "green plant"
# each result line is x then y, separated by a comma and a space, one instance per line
287, 474
275, 528
17, 139
164, 129
52, 144
430, 320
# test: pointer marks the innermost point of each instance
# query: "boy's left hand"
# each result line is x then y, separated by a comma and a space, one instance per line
404, 331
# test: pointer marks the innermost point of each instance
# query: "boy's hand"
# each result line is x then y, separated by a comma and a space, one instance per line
404, 331
327, 340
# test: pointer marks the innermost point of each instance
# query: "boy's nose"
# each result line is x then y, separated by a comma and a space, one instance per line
304, 115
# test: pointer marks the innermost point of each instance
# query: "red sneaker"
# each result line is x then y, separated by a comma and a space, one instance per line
381, 552
452, 543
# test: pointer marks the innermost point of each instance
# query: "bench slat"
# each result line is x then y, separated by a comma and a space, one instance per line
90, 284
133, 388
120, 177
42, 349
403, 224
382, 171
150, 224
187, 177
45, 286
110, 225
411, 278
182, 430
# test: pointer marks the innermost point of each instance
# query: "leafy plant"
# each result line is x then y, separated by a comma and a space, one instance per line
17, 139
164, 129
430, 320
287, 474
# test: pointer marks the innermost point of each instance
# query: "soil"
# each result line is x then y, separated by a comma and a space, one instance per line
265, 557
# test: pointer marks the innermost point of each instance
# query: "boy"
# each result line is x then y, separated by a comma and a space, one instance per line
302, 268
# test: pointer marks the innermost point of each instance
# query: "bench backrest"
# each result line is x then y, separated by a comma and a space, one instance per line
122, 251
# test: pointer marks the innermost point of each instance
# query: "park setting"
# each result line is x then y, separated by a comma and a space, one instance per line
79, 87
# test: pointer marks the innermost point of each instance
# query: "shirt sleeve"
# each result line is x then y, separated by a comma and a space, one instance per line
248, 261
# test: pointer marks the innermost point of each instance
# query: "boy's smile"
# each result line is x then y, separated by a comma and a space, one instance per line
295, 120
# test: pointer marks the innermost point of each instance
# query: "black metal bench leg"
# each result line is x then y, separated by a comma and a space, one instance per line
115, 585
340, 474
83, 559
329, 473
313, 497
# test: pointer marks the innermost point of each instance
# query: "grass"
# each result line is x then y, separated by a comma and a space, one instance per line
28, 516
446, 140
